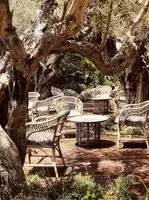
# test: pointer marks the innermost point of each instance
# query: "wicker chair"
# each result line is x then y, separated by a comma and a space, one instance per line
46, 132
103, 90
133, 115
73, 104
32, 97
44, 107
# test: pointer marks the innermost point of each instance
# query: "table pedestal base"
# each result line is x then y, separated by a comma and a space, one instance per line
101, 107
88, 133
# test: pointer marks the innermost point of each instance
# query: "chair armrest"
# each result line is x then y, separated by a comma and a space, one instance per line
136, 105
34, 126
44, 118
131, 111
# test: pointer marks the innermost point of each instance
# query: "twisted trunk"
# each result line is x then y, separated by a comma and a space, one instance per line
136, 77
4, 99
18, 114
11, 172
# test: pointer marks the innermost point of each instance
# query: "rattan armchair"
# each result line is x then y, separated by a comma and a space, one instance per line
46, 132
133, 115
73, 104
44, 107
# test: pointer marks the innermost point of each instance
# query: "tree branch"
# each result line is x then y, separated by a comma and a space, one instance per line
139, 17
87, 50
65, 6
10, 38
74, 16
107, 28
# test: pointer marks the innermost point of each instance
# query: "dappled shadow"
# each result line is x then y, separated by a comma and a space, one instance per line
70, 134
101, 144
106, 144
134, 145
104, 160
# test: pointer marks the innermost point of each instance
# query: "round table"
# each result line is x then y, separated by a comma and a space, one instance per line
101, 104
88, 128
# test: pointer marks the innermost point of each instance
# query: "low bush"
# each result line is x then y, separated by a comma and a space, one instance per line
79, 187
110, 124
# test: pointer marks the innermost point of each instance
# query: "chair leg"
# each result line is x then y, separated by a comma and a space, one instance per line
147, 144
54, 163
29, 155
60, 154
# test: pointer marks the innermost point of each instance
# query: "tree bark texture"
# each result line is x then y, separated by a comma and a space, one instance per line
4, 98
18, 114
136, 77
11, 173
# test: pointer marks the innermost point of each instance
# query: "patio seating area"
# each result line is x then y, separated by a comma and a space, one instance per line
102, 161
100, 158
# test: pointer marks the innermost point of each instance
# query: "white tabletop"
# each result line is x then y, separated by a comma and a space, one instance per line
101, 97
88, 118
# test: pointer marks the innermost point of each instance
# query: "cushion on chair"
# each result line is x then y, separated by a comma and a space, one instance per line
41, 138
136, 120
132, 120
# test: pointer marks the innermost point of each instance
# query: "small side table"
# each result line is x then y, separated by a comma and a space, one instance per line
101, 104
88, 129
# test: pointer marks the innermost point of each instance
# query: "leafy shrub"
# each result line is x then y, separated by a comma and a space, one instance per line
110, 124
79, 187
119, 189
137, 131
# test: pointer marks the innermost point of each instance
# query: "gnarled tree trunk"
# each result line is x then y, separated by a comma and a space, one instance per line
18, 115
11, 172
136, 77
4, 98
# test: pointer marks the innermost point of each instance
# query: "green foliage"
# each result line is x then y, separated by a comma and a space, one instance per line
81, 187
119, 189
123, 14
112, 81
77, 73
34, 180
132, 131
110, 124
35, 189
92, 76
